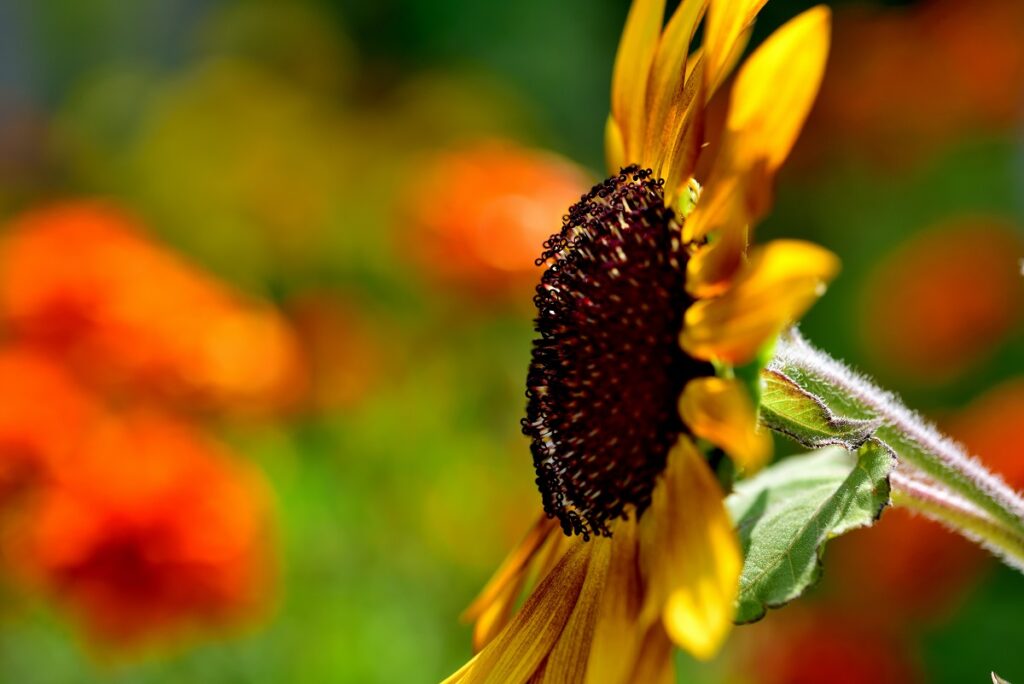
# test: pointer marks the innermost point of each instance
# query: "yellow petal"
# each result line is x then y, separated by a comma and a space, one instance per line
493, 617
670, 58
775, 90
459, 675
493, 607
538, 676
515, 563
666, 85
711, 269
722, 412
655, 664
717, 205
558, 545
683, 138
632, 67
689, 554
770, 102
725, 36
517, 652
617, 636
772, 290
567, 661
614, 149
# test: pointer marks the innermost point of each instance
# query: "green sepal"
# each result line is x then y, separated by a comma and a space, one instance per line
795, 412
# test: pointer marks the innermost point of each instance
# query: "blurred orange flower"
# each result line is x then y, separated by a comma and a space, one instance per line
43, 416
903, 81
481, 213
82, 279
945, 299
150, 533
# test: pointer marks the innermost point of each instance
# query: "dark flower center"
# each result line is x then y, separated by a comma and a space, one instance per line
607, 370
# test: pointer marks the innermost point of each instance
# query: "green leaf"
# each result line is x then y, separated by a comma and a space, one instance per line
785, 514
817, 400
794, 411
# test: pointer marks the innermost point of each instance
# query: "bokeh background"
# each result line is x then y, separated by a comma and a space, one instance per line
265, 281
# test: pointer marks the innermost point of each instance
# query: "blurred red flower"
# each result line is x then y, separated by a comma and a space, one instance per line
822, 644
151, 532
143, 527
81, 279
885, 570
945, 299
480, 214
43, 415
991, 428
904, 81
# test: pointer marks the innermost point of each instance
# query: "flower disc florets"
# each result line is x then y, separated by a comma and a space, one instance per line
607, 369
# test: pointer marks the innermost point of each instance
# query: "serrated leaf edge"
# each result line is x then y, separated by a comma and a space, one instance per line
819, 565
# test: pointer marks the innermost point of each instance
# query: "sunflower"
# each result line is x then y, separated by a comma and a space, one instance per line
649, 300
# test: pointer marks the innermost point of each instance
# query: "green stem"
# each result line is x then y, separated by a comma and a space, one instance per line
911, 492
914, 441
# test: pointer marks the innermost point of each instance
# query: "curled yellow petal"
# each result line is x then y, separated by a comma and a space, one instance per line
667, 96
725, 36
632, 67
711, 269
717, 205
690, 555
722, 412
778, 283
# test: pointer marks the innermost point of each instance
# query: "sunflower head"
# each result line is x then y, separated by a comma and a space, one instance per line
648, 289
649, 299
607, 369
